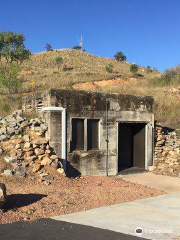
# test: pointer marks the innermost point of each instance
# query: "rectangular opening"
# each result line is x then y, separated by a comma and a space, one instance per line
131, 145
92, 134
77, 134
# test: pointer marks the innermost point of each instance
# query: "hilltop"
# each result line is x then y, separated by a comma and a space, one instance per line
84, 71
80, 67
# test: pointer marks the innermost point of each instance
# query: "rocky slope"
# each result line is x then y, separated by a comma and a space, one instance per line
25, 148
167, 152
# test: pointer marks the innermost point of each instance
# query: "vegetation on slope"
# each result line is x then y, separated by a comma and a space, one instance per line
78, 67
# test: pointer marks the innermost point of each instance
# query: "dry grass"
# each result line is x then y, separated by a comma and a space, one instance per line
9, 104
167, 105
84, 67
81, 67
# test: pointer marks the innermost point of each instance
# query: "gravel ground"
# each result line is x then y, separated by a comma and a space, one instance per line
29, 199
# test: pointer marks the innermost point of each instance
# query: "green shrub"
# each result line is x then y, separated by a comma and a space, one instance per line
119, 56
109, 68
77, 47
169, 77
59, 61
134, 68
149, 69
9, 78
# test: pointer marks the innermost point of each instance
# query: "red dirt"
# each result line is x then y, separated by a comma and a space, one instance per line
30, 199
103, 83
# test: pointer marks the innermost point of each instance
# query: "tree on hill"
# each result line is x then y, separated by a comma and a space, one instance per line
48, 47
119, 56
77, 47
148, 69
12, 48
59, 61
12, 54
9, 78
134, 68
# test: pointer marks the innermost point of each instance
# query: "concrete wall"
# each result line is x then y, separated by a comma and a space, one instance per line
80, 104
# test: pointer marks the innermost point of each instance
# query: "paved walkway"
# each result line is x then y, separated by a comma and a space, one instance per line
155, 214
160, 182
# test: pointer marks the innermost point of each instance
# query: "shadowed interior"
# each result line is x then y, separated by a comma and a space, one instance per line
131, 145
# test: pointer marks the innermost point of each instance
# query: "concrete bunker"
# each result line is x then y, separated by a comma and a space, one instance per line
97, 133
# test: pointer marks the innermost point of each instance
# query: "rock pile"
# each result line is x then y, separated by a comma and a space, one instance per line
167, 152
25, 147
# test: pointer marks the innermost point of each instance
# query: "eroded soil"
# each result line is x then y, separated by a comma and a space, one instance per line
103, 83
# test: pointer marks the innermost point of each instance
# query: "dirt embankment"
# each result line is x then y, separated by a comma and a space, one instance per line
103, 83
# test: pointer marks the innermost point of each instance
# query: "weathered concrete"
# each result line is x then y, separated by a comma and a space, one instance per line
87, 105
160, 182
157, 213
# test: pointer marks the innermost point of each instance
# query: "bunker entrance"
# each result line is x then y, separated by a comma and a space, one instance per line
131, 145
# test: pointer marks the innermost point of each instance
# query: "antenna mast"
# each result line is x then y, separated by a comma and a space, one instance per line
81, 41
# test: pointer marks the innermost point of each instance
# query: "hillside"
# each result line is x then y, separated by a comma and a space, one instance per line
80, 67
88, 72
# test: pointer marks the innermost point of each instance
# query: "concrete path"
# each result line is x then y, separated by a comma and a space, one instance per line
48, 229
160, 182
152, 214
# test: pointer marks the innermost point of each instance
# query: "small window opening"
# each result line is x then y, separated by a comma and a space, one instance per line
92, 134
77, 134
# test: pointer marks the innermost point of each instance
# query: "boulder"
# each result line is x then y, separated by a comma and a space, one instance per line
29, 153
43, 127
37, 129
37, 167
24, 124
55, 165
53, 157
10, 131
10, 159
40, 141
2, 131
3, 195
20, 173
48, 152
43, 175
27, 145
18, 146
46, 161
60, 170
2, 137
26, 138
32, 158
39, 151
8, 172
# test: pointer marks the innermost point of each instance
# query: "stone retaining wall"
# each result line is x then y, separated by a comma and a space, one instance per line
167, 151
24, 146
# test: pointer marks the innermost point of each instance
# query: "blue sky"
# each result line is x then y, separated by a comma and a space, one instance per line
148, 32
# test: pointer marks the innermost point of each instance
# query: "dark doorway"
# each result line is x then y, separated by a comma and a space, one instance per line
131, 145
93, 134
77, 134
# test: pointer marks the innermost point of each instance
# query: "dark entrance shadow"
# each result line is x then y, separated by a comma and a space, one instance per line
71, 171
21, 200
